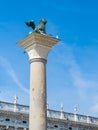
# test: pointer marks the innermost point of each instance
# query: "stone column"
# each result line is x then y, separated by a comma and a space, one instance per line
37, 47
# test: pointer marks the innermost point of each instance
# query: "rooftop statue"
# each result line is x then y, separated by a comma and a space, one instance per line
40, 28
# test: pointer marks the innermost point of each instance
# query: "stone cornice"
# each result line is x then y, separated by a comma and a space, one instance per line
37, 45
72, 123
13, 114
36, 38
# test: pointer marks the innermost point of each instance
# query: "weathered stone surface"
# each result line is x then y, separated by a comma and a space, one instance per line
37, 47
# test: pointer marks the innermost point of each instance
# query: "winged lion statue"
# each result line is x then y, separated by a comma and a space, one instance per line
40, 28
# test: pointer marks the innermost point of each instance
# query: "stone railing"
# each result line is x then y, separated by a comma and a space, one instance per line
5, 106
72, 117
14, 107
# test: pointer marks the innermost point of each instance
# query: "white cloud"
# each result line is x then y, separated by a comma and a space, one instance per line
7, 66
85, 88
79, 82
16, 80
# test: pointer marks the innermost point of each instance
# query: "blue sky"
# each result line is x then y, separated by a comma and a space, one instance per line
72, 67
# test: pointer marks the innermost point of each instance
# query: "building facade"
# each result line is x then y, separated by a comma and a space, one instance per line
14, 116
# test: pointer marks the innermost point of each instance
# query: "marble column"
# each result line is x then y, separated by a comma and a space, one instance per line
37, 47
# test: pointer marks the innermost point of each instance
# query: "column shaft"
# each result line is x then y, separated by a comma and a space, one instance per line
38, 112
38, 46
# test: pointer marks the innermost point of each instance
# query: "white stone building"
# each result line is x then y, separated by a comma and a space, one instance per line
14, 116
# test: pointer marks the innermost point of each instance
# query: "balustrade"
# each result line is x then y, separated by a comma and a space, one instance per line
50, 113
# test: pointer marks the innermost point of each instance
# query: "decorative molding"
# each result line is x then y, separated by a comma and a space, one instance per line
36, 38
21, 118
